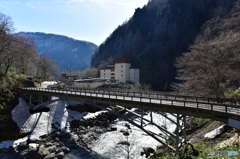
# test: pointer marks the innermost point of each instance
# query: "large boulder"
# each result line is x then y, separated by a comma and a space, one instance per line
147, 151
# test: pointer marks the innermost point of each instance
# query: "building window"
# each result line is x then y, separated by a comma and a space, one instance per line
104, 74
112, 70
112, 73
122, 66
122, 75
121, 71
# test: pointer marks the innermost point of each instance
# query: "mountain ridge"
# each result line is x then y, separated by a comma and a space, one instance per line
67, 52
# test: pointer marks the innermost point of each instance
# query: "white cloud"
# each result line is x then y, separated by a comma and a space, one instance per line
29, 4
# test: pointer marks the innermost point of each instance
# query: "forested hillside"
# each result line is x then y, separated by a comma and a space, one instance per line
211, 67
67, 52
158, 33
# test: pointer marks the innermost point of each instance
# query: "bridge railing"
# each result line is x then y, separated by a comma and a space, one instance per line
147, 98
153, 94
165, 95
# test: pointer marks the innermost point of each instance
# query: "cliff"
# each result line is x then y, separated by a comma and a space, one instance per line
156, 34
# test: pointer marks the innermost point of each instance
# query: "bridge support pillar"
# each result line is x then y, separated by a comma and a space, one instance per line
142, 113
184, 129
30, 99
40, 99
177, 136
151, 117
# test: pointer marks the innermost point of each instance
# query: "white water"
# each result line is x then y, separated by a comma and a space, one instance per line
107, 145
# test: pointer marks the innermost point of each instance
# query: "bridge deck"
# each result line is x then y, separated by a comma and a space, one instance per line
218, 109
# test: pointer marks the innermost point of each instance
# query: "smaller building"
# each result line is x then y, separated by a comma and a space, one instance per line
64, 78
93, 83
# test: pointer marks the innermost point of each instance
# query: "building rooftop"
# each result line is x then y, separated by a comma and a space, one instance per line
122, 60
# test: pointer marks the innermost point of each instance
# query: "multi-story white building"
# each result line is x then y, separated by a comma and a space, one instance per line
121, 71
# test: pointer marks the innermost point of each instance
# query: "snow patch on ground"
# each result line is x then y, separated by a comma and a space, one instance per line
93, 115
215, 132
40, 123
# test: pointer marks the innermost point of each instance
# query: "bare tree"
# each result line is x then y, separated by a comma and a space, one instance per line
26, 51
210, 66
6, 28
46, 67
9, 54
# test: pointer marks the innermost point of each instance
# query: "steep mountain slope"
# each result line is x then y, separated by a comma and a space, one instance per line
68, 53
157, 34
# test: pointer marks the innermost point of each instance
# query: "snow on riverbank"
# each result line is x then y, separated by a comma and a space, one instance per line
215, 132
41, 123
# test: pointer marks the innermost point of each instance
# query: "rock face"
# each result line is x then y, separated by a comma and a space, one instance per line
68, 53
157, 34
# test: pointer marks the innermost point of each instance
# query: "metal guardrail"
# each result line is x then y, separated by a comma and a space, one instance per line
152, 94
212, 104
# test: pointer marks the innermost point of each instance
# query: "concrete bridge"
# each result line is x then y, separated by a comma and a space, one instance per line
221, 109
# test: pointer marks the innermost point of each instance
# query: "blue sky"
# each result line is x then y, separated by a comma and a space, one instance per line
89, 20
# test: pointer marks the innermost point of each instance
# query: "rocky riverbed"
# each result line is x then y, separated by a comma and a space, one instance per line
77, 134
58, 143
64, 133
